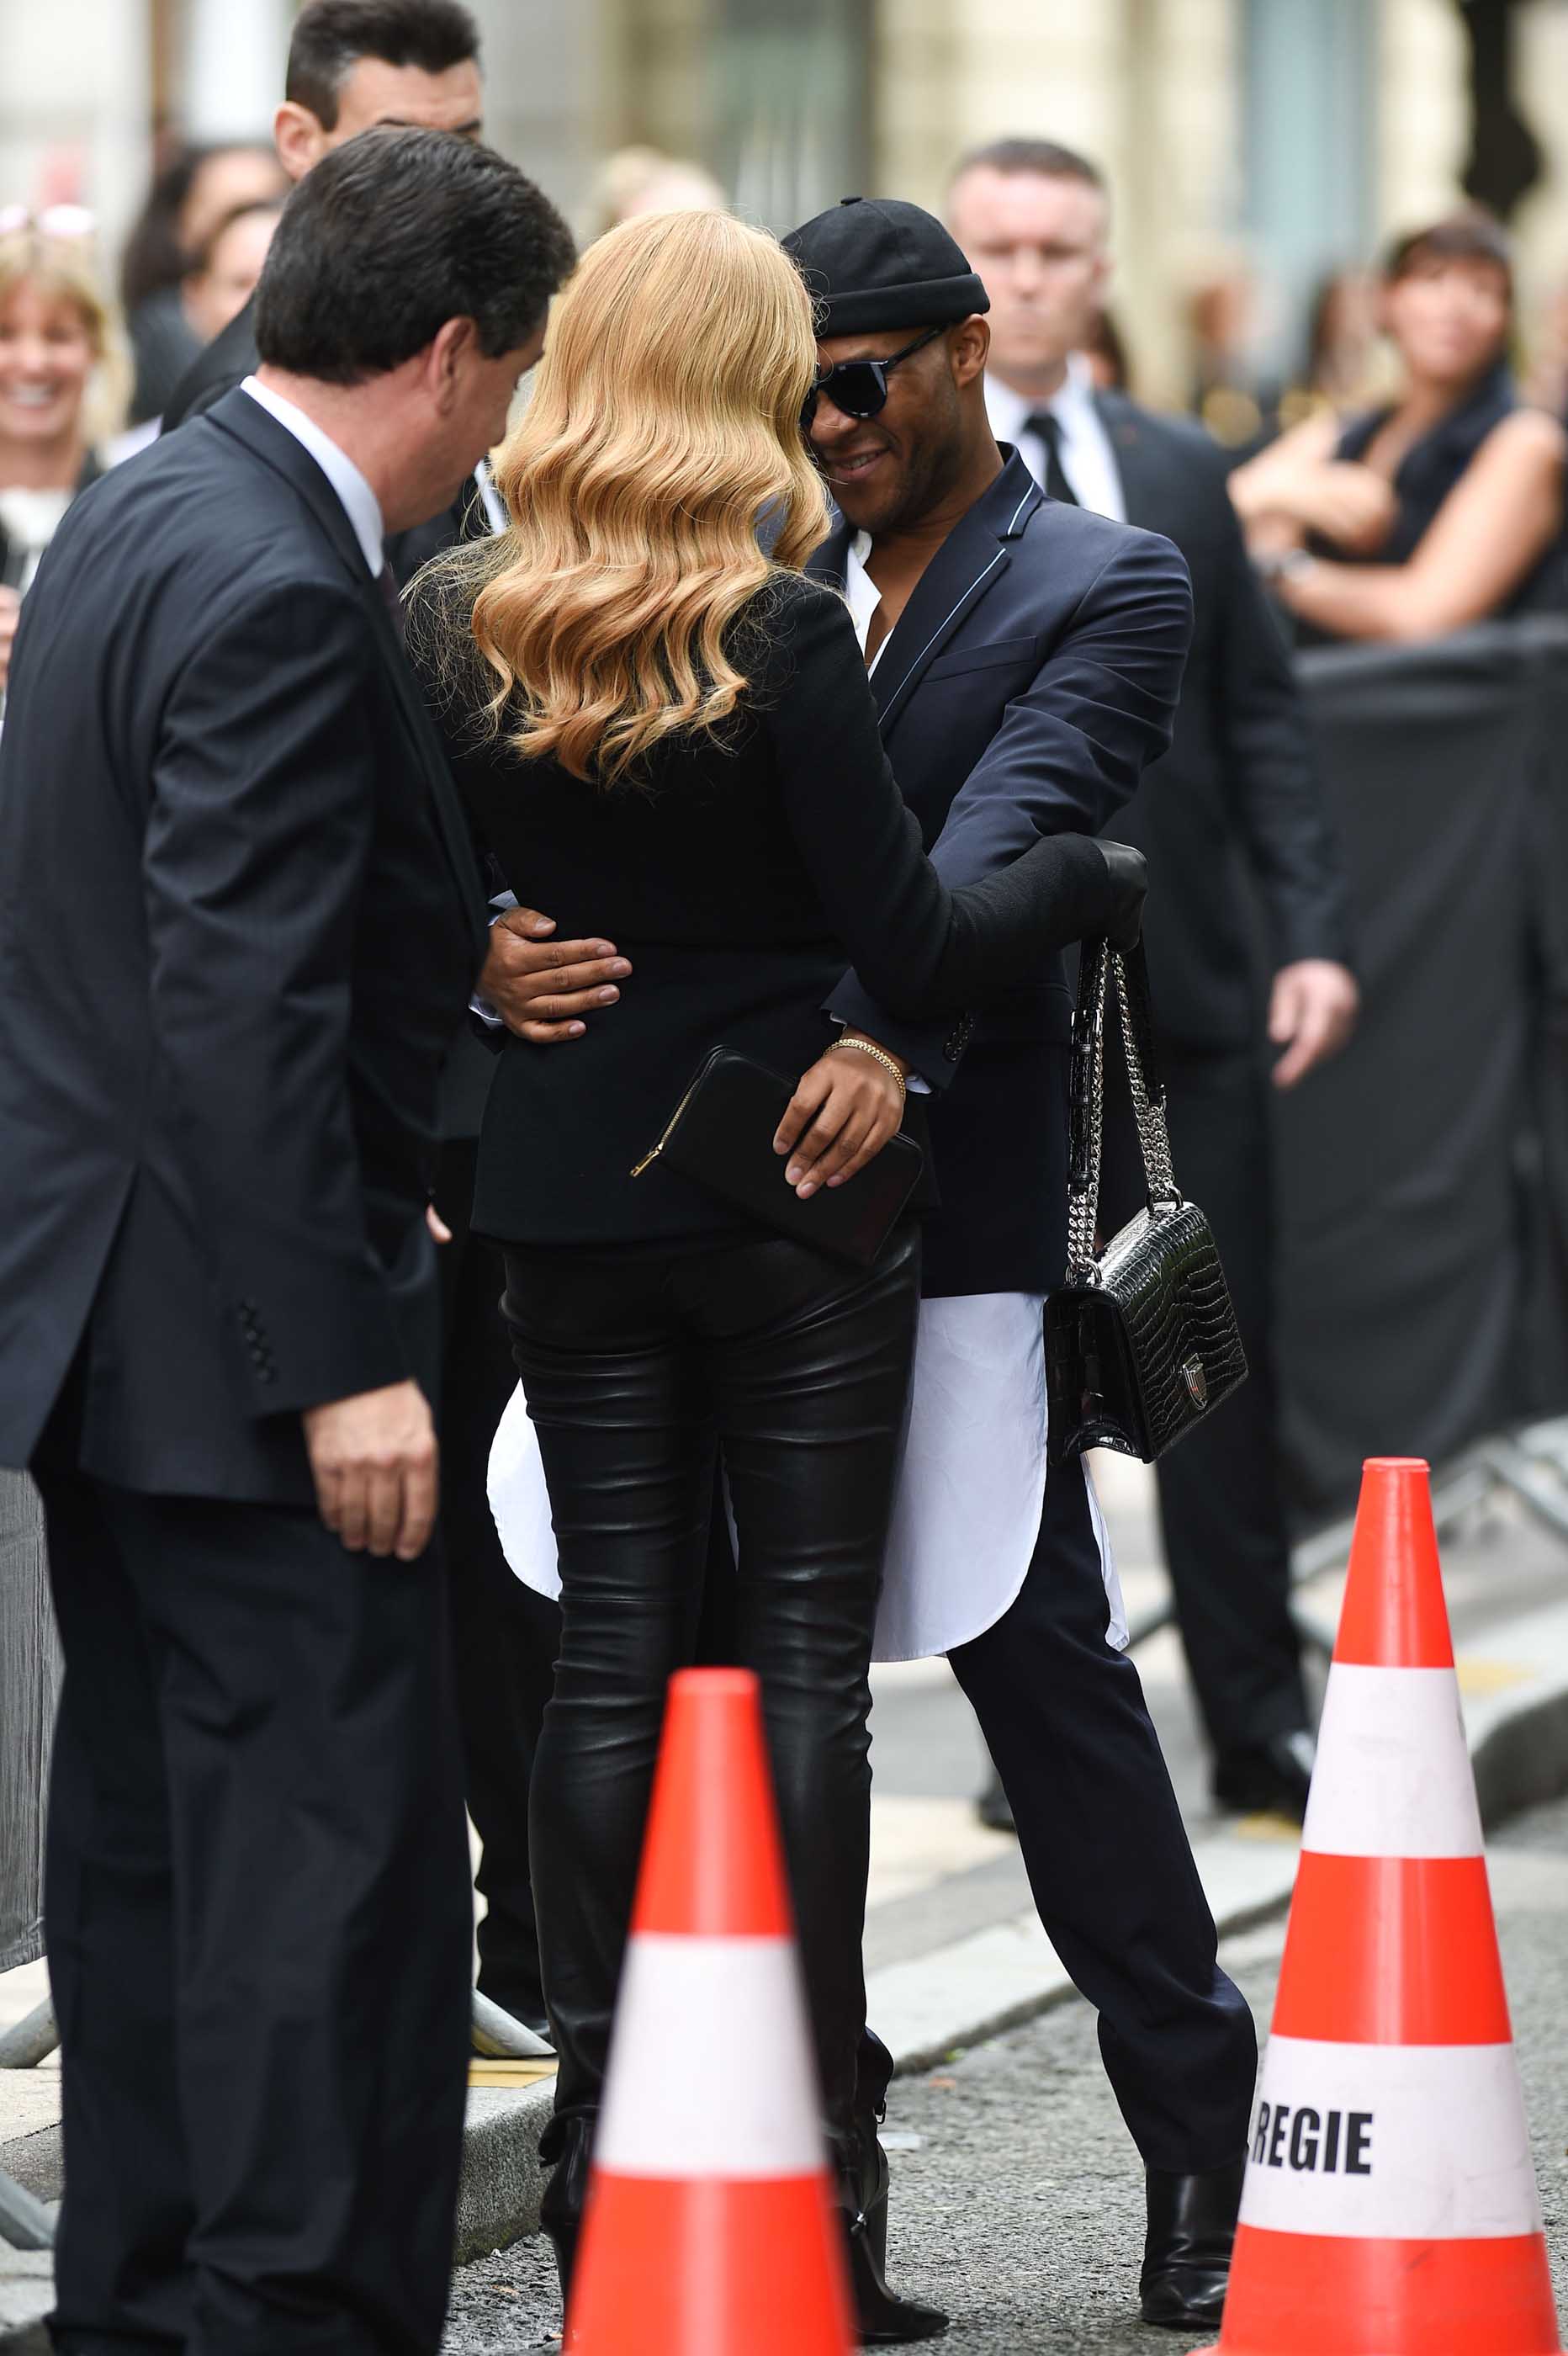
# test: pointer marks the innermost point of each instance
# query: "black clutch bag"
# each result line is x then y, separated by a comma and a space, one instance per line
722, 1133
1141, 1341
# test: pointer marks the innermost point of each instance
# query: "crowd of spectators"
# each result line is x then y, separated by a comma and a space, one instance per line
1405, 481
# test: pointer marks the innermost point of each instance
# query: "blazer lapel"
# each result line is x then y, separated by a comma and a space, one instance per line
971, 560
249, 423
830, 559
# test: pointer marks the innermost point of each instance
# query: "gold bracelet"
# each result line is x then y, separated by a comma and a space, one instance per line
877, 1054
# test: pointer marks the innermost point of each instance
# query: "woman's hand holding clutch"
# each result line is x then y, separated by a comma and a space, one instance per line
848, 1105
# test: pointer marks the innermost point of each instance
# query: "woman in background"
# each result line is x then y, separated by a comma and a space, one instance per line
663, 731
223, 276
1441, 509
62, 388
188, 198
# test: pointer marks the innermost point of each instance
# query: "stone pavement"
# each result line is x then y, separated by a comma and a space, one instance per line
953, 1950
1017, 2200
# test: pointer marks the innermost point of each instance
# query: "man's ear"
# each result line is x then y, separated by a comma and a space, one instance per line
453, 348
299, 139
969, 344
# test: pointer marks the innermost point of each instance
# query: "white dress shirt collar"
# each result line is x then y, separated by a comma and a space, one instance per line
862, 595
1088, 461
356, 498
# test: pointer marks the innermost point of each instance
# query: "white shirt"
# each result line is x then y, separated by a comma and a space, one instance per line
862, 595
1088, 460
356, 498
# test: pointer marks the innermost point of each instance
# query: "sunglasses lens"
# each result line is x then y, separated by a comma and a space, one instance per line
855, 387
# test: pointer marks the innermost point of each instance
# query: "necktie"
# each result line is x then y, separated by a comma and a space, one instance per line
1048, 425
394, 604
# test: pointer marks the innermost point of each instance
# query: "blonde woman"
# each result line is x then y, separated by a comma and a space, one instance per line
62, 381
662, 733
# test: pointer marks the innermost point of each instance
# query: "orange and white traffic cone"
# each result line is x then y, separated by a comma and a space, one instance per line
710, 2225
1390, 2207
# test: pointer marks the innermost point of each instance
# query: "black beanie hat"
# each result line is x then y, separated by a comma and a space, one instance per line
874, 262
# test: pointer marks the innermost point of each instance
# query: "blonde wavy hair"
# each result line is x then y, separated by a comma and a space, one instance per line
663, 426
65, 269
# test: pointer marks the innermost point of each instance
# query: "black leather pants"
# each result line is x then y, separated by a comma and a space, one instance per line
638, 1363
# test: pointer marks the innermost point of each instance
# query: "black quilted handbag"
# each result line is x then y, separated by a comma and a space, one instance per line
1141, 1340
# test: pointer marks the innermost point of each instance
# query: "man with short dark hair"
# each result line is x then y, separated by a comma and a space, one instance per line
353, 64
218, 1297
1237, 793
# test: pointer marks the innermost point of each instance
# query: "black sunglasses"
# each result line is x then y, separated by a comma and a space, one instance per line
859, 388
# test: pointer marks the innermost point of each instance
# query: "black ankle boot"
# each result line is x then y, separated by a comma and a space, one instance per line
883, 2318
568, 2143
1187, 2257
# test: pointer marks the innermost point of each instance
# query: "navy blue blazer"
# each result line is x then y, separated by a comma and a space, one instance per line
1031, 678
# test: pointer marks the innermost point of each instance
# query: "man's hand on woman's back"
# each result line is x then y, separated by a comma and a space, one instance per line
542, 987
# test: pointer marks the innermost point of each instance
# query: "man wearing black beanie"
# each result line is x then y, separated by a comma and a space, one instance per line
1026, 655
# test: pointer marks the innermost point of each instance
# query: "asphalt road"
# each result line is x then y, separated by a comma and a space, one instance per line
1019, 2206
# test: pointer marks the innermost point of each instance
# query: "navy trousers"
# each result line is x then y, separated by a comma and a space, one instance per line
1106, 1850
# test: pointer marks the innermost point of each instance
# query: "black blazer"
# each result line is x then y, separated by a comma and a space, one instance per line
1032, 676
239, 920
219, 369
1238, 793
224, 364
738, 877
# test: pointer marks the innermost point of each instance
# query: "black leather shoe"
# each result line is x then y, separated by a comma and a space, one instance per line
568, 2143
883, 2318
1187, 2254
993, 1809
1277, 1775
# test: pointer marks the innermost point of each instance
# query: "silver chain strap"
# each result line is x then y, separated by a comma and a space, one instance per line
1083, 1204
1154, 1136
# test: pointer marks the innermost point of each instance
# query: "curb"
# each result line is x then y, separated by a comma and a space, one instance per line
1515, 1677
498, 2197
1516, 1715
497, 2200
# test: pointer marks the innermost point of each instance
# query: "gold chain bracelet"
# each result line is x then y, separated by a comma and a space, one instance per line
877, 1054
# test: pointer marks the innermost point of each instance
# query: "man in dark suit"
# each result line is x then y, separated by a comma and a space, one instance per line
1026, 658
218, 1314
1237, 791
354, 64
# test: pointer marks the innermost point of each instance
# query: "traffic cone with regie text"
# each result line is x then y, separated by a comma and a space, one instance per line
712, 2228
1390, 2207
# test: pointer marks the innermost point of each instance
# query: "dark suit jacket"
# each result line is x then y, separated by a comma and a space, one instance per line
1239, 789
239, 920
738, 876
1032, 676
225, 364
